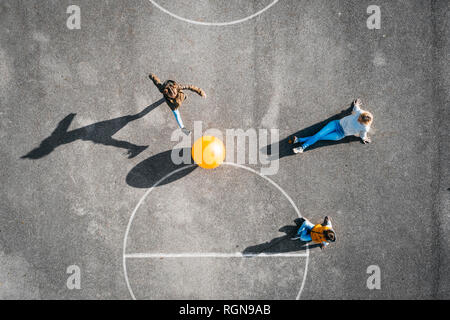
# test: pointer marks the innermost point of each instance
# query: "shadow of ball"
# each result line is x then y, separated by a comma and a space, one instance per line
148, 172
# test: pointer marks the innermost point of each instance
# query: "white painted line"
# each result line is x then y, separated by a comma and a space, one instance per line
130, 221
212, 23
304, 277
213, 255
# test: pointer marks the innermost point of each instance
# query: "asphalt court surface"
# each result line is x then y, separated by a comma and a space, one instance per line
162, 228
84, 136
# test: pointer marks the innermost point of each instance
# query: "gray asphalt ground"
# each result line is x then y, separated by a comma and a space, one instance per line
68, 188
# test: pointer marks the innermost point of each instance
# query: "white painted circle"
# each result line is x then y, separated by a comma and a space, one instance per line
124, 254
212, 23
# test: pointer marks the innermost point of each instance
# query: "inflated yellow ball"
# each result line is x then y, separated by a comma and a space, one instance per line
208, 152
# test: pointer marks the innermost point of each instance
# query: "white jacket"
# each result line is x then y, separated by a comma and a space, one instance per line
351, 125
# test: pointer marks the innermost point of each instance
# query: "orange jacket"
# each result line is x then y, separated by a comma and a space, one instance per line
317, 233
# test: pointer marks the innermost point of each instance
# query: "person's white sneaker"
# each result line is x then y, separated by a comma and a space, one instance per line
298, 150
186, 131
295, 238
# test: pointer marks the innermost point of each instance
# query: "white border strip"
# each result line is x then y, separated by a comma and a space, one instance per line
212, 23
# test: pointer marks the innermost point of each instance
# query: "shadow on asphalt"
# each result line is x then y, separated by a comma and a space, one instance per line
285, 148
148, 172
281, 244
100, 132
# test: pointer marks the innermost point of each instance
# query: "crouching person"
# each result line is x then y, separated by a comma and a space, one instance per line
320, 233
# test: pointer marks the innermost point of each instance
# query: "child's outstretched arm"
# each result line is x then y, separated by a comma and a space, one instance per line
364, 137
357, 104
194, 89
156, 81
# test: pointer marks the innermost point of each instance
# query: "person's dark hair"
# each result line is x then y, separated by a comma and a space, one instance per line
171, 89
330, 235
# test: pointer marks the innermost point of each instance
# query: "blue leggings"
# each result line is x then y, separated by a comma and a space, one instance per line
304, 232
332, 131
177, 115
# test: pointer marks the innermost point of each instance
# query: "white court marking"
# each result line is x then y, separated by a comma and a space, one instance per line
212, 23
126, 255
212, 255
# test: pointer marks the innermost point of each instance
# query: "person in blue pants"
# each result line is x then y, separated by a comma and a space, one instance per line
358, 123
320, 233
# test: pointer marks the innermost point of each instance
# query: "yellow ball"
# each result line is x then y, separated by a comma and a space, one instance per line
208, 152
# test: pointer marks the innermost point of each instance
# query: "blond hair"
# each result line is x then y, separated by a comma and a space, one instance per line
365, 118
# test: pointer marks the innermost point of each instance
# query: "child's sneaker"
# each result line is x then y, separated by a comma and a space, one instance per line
298, 150
293, 140
186, 131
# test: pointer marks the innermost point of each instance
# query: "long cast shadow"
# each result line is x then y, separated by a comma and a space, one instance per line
148, 172
281, 244
100, 132
285, 148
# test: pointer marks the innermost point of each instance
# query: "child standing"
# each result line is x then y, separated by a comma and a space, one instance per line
174, 96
